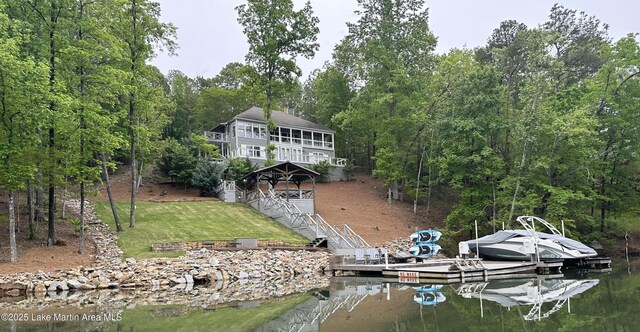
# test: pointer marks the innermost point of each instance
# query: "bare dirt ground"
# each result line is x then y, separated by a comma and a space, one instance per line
35, 255
360, 203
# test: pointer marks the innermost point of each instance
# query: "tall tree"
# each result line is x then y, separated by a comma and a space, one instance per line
23, 82
139, 28
277, 34
388, 54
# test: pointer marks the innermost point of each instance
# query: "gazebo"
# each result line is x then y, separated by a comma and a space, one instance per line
289, 174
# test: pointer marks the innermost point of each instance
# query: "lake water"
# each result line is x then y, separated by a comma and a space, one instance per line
576, 302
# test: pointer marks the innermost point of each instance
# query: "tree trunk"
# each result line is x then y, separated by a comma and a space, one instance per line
32, 224
40, 199
81, 240
64, 200
51, 234
134, 166
415, 202
12, 229
515, 192
105, 176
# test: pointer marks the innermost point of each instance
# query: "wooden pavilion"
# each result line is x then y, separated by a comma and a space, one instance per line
285, 181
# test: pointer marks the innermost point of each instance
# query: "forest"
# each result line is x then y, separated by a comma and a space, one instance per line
541, 120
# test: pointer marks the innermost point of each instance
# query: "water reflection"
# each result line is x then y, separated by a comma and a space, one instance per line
606, 303
528, 292
429, 295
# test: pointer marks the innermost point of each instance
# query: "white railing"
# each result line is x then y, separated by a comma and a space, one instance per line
352, 236
229, 185
296, 218
216, 137
301, 158
294, 193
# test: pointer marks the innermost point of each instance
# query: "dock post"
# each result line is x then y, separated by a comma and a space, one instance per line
386, 260
562, 221
475, 222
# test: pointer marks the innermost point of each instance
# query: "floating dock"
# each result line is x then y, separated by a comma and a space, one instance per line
453, 270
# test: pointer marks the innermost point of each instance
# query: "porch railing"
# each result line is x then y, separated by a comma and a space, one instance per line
213, 136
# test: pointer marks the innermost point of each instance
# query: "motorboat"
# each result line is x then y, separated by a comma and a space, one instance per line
426, 235
520, 245
535, 292
424, 249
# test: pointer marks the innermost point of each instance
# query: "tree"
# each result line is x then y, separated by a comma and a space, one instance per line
140, 30
23, 82
387, 56
277, 34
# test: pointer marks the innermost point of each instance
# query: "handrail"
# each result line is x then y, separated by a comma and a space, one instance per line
318, 225
353, 236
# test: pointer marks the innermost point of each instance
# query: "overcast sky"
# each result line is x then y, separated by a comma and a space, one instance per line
210, 37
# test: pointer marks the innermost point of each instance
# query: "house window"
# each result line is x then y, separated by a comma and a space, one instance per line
317, 140
251, 130
328, 141
307, 138
241, 130
252, 151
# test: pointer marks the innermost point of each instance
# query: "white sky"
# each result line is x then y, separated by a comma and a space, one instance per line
210, 37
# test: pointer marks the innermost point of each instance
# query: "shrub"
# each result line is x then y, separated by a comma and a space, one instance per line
322, 167
177, 162
207, 177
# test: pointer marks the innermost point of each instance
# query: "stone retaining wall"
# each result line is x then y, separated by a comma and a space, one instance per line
212, 245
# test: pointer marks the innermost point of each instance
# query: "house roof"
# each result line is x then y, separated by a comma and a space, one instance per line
280, 118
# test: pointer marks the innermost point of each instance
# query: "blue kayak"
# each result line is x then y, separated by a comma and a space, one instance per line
427, 235
424, 249
429, 298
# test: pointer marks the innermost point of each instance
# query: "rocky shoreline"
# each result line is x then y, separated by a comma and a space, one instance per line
196, 267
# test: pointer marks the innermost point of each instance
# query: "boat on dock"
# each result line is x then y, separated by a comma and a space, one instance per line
519, 245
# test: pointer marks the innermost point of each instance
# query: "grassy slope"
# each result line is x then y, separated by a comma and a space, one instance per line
142, 318
158, 222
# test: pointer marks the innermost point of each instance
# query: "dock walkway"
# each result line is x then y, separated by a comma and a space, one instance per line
448, 270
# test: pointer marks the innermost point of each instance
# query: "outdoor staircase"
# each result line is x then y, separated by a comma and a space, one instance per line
340, 239
318, 242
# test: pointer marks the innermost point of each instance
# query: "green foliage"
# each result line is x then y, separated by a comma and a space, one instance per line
207, 177
237, 168
177, 162
322, 167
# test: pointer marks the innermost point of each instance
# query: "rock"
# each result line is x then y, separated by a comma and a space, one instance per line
40, 288
74, 283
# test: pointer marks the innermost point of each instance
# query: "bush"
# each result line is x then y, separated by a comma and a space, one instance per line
207, 177
177, 162
238, 168
322, 167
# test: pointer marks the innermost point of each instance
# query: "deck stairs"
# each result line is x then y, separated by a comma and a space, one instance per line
341, 239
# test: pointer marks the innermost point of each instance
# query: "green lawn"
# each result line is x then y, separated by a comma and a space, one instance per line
158, 222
